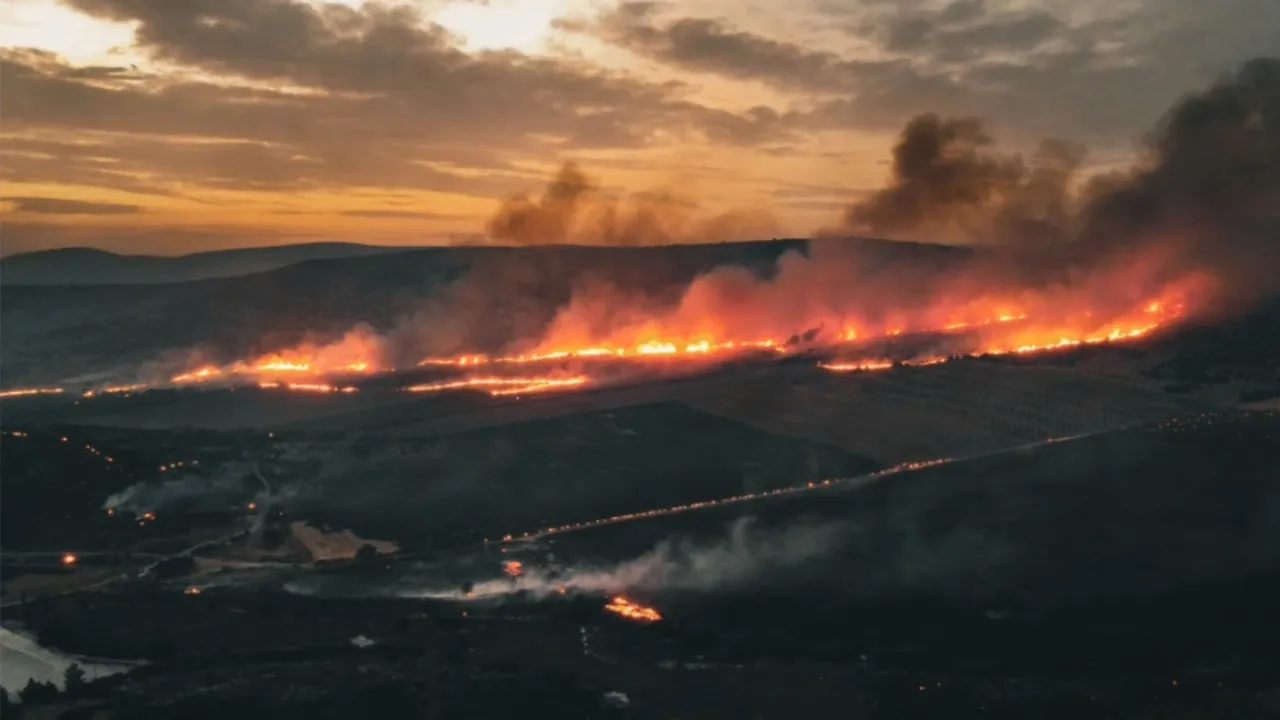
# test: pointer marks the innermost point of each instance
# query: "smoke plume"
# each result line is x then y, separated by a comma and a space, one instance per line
574, 210
1211, 162
948, 183
746, 556
1211, 177
221, 489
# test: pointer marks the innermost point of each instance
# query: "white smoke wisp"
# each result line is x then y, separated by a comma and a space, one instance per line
221, 487
745, 557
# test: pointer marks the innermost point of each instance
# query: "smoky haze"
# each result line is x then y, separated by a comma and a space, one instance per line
745, 556
575, 210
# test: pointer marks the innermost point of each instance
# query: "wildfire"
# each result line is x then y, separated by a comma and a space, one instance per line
498, 386
70, 559
857, 366
309, 387
513, 568
1029, 337
642, 350
717, 320
729, 500
632, 610
25, 392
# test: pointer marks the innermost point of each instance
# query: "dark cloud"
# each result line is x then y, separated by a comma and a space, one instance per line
961, 11
708, 45
1032, 71
573, 209
59, 206
1017, 33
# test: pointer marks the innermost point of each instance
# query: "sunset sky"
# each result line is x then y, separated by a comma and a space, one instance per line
175, 126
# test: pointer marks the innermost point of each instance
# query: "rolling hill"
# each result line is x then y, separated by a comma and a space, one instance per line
88, 266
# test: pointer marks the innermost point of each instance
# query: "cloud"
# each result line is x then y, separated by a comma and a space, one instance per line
714, 46
282, 95
60, 206
1101, 74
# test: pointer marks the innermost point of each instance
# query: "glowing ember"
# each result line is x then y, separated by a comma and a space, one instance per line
498, 386
857, 366
309, 387
632, 610
193, 590
70, 559
513, 568
717, 502
643, 350
25, 392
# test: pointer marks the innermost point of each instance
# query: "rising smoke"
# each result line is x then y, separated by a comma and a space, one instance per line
746, 556
222, 488
574, 210
948, 183
1212, 161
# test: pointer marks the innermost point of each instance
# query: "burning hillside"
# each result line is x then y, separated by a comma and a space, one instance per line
1144, 252
822, 301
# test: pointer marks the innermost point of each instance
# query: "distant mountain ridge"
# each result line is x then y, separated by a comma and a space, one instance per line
89, 266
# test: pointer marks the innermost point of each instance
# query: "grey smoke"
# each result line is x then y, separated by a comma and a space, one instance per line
746, 556
223, 486
574, 209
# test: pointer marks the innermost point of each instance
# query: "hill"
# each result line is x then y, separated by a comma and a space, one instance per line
88, 266
56, 332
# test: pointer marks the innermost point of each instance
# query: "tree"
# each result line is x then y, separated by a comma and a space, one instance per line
73, 680
9, 710
35, 692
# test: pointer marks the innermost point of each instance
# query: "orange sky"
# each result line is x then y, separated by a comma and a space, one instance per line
155, 127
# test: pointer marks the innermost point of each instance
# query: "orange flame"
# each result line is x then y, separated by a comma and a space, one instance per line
632, 610
498, 386
24, 392
723, 315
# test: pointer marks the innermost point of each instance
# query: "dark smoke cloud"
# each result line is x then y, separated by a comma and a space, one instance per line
1212, 168
949, 184
574, 210
1214, 159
